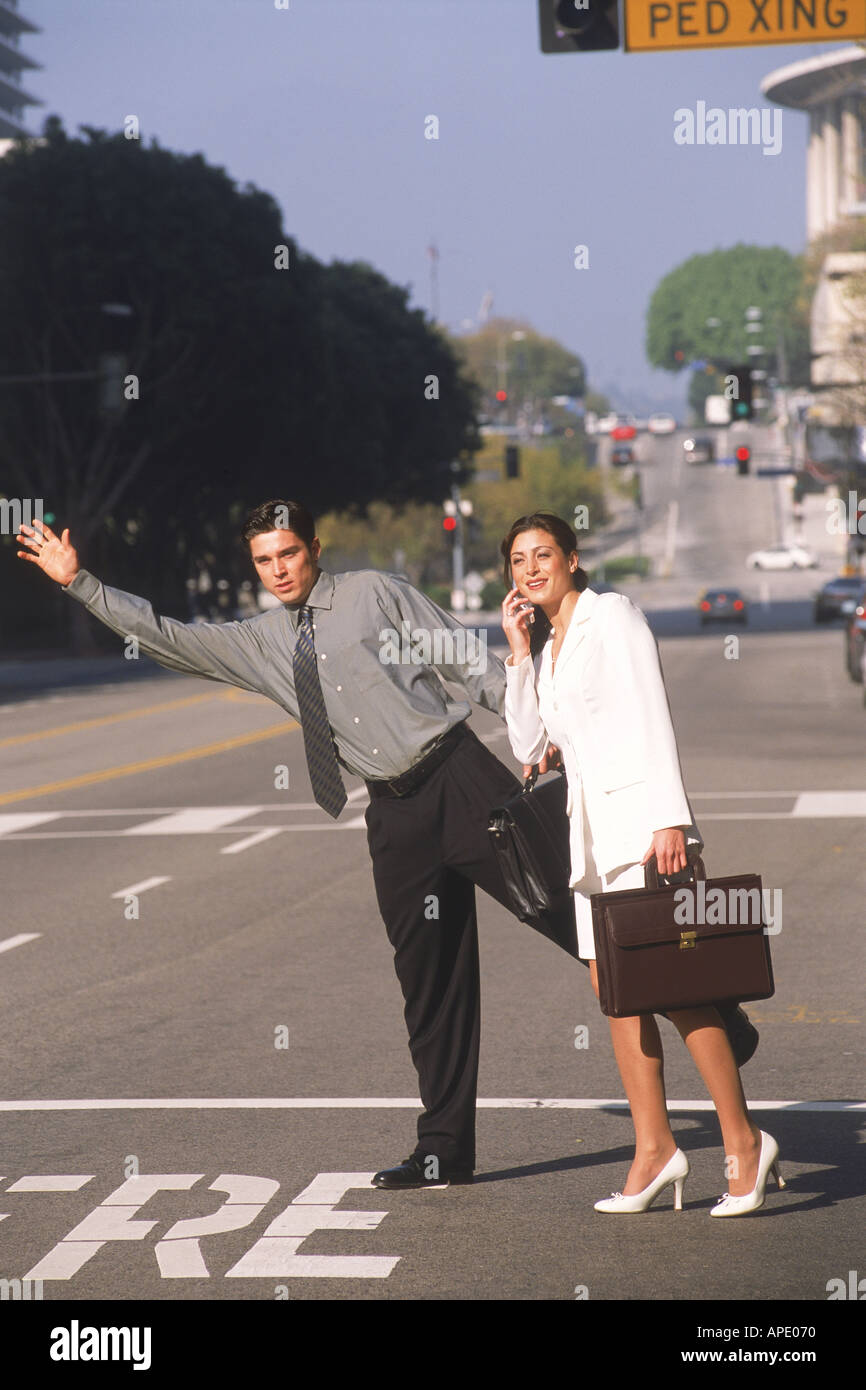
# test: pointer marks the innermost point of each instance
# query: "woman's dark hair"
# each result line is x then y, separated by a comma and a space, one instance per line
278, 515
566, 539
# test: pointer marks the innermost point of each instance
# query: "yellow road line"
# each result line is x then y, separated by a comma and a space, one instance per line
137, 713
205, 750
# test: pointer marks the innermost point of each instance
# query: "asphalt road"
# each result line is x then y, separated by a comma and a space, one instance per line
203, 1021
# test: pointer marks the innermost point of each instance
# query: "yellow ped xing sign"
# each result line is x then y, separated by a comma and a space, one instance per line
652, 25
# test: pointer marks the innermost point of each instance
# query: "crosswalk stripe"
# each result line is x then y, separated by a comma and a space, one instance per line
408, 1103
20, 940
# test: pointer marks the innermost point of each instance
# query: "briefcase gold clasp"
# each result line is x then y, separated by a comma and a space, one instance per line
687, 940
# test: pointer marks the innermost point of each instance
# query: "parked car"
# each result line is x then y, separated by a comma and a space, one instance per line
838, 597
699, 449
622, 455
728, 605
661, 424
855, 637
782, 557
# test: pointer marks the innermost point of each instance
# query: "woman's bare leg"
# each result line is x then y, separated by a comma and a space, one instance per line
638, 1050
707, 1041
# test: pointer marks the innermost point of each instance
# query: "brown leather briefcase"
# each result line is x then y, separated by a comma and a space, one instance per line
681, 945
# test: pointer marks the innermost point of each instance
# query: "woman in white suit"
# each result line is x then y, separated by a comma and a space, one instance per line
592, 686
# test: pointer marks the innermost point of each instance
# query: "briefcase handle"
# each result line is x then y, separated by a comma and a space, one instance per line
694, 868
530, 781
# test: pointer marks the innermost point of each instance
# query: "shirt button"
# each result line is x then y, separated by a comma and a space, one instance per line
339, 687
375, 750
324, 656
357, 720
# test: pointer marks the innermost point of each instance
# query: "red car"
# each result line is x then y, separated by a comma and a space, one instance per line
623, 432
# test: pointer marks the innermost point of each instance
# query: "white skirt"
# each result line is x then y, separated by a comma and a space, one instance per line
623, 876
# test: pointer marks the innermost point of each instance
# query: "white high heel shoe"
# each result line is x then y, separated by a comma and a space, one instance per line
751, 1201
675, 1171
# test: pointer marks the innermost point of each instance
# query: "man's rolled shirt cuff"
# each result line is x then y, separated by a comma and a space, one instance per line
83, 587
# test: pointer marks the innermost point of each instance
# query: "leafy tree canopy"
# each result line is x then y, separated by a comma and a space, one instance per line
698, 311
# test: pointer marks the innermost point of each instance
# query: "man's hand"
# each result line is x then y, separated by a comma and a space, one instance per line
551, 762
51, 553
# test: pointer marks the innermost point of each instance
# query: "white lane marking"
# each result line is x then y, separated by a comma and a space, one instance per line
817, 804
400, 1103
178, 1253
51, 1182
326, 1189
23, 820
12, 941
737, 796
254, 839
275, 1255
140, 887
194, 820
111, 1220
221, 820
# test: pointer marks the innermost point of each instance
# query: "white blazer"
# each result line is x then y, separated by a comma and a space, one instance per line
606, 708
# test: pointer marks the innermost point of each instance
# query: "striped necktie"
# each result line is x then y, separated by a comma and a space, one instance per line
325, 776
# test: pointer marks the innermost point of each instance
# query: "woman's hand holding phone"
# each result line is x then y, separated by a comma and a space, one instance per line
517, 615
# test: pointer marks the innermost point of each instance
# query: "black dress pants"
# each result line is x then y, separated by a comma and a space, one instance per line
429, 850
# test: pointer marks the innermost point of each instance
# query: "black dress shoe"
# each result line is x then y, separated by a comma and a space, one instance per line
742, 1035
422, 1170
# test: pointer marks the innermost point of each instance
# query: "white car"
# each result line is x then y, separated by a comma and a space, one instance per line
782, 557
605, 424
661, 424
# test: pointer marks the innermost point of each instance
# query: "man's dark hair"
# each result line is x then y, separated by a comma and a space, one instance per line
278, 515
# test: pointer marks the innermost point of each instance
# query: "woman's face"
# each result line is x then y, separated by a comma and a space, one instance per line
539, 569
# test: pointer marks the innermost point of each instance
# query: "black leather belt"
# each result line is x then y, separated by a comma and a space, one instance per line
410, 781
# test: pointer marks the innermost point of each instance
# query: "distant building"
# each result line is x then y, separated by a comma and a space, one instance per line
13, 98
831, 90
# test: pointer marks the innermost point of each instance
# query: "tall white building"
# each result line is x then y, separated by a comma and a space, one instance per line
831, 90
14, 100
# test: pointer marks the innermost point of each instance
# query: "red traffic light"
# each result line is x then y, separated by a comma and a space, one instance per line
744, 453
449, 523
502, 395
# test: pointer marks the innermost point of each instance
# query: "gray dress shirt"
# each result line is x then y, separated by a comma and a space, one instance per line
382, 648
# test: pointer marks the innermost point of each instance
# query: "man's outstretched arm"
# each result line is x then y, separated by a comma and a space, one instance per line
225, 652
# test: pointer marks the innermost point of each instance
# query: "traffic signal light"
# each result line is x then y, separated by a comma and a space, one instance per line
743, 456
569, 26
512, 461
741, 404
502, 396
449, 526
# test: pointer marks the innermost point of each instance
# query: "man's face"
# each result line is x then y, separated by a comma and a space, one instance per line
285, 564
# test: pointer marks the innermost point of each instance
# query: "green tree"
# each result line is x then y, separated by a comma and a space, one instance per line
698, 311
508, 354
250, 380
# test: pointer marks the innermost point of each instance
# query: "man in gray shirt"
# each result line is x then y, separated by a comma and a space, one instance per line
359, 659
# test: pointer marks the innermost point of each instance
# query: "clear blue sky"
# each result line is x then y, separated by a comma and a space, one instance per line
324, 105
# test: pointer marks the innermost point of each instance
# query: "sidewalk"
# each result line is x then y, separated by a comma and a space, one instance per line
32, 675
